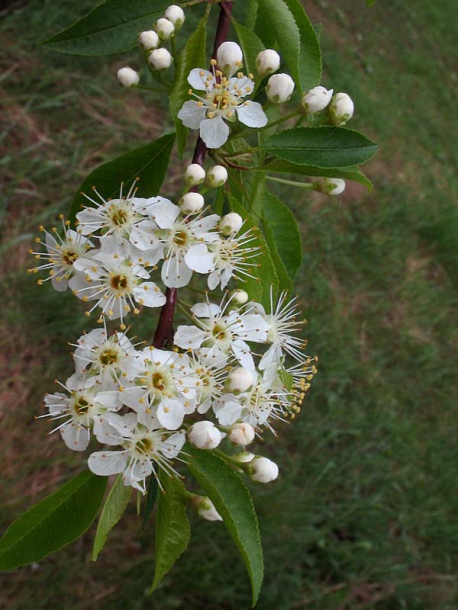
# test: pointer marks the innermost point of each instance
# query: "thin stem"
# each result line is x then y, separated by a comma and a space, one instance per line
304, 185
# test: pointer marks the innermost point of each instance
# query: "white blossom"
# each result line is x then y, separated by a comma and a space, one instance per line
191, 203
176, 15
232, 258
216, 176
242, 434
204, 507
165, 28
149, 40
160, 59
239, 380
230, 224
267, 62
279, 88
204, 435
262, 470
229, 57
316, 99
194, 174
127, 77
341, 109
331, 186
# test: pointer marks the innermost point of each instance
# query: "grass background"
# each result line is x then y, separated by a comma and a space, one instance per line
365, 514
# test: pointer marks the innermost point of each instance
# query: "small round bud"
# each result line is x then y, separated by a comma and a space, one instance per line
331, 186
175, 14
341, 109
239, 297
160, 59
316, 99
262, 470
279, 88
244, 457
128, 77
204, 435
239, 380
230, 224
204, 507
229, 57
194, 174
191, 203
148, 40
267, 62
165, 28
216, 176
242, 434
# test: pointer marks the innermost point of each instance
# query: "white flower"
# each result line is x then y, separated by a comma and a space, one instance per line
222, 101
229, 57
205, 435
148, 40
204, 507
216, 176
239, 297
316, 99
160, 59
194, 174
128, 77
242, 434
176, 15
232, 258
341, 109
165, 28
239, 380
267, 62
279, 88
262, 470
230, 224
331, 186
191, 203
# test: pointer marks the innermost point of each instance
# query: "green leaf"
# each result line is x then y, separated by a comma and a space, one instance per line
251, 46
192, 56
172, 526
112, 511
325, 147
370, 2
148, 163
283, 237
111, 27
232, 500
54, 522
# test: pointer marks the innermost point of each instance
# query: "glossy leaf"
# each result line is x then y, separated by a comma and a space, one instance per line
172, 526
111, 27
148, 163
325, 147
251, 46
53, 523
113, 510
232, 500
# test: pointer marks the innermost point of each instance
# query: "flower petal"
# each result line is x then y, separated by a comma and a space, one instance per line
105, 463
251, 114
200, 79
214, 132
199, 259
192, 114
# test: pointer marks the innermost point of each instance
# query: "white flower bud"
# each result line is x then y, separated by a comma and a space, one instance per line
279, 88
194, 174
216, 176
128, 77
148, 40
165, 28
239, 297
204, 507
229, 57
331, 186
191, 203
242, 434
316, 99
244, 457
205, 435
341, 109
175, 14
262, 470
267, 62
160, 59
230, 224
239, 380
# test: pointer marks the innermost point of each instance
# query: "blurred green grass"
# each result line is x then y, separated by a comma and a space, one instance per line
365, 514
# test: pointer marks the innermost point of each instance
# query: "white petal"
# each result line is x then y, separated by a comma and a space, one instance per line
105, 463
251, 114
75, 436
172, 446
170, 413
206, 310
59, 282
148, 294
110, 400
164, 214
229, 414
214, 132
192, 115
105, 432
199, 259
189, 336
244, 84
242, 353
271, 357
214, 279
202, 80
175, 273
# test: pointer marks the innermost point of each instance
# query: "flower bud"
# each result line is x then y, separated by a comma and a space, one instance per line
216, 176
175, 14
229, 57
262, 470
239, 297
279, 88
316, 99
128, 77
239, 380
194, 174
148, 40
267, 62
340, 109
204, 435
244, 457
165, 28
242, 434
230, 224
204, 507
192, 203
331, 186
160, 59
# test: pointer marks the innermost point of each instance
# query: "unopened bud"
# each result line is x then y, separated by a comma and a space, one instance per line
191, 203
175, 14
267, 62
230, 224
239, 297
239, 380
165, 28
262, 470
194, 174
148, 40
242, 434
341, 109
279, 88
316, 99
331, 186
160, 59
216, 176
229, 57
204, 435
128, 77
244, 457
204, 507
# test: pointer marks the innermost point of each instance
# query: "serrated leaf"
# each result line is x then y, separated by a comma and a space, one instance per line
192, 56
148, 163
251, 46
172, 526
325, 147
53, 523
111, 27
112, 511
232, 500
